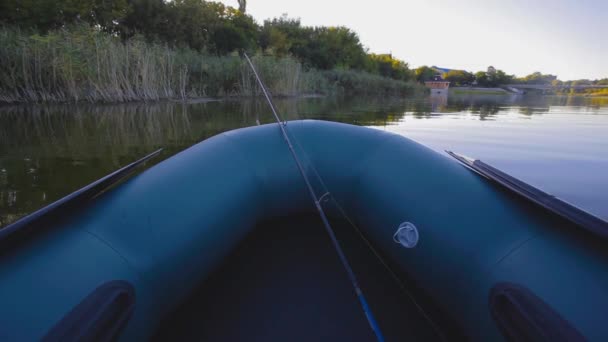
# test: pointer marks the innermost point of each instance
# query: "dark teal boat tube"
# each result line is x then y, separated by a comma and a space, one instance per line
165, 230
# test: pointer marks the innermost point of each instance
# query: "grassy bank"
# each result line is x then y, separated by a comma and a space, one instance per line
478, 91
596, 92
590, 92
84, 64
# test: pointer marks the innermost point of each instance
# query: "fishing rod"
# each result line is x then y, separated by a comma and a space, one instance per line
317, 201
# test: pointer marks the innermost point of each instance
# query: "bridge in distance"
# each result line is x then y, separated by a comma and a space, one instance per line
552, 87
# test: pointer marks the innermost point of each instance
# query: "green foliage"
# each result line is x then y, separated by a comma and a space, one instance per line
184, 39
459, 77
536, 78
193, 23
597, 92
603, 81
336, 47
81, 63
387, 66
502, 78
284, 76
478, 91
237, 32
284, 35
424, 73
349, 82
45, 15
481, 78
147, 17
492, 77
212, 28
319, 47
197, 24
86, 64
275, 41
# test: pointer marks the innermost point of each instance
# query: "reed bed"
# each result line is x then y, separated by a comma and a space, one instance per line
351, 82
81, 63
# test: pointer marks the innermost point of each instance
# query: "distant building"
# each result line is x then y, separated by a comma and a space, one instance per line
440, 70
438, 85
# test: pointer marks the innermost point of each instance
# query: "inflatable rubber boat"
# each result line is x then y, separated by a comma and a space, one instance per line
221, 242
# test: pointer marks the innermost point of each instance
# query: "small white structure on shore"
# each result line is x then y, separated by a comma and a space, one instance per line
438, 85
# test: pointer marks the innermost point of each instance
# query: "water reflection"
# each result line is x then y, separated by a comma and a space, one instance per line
439, 101
558, 144
48, 151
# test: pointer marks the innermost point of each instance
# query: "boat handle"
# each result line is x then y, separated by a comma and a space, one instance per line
406, 235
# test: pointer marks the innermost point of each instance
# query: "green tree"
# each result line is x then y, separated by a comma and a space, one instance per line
147, 17
459, 77
192, 22
492, 77
537, 78
387, 66
481, 77
207, 26
237, 31
275, 41
424, 73
286, 35
45, 15
210, 27
502, 78
319, 47
331, 47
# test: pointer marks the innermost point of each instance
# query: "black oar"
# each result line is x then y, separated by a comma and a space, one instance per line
43, 217
571, 213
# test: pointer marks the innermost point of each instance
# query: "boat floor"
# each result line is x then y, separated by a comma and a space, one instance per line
285, 282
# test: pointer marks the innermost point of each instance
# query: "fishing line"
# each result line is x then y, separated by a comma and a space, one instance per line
395, 277
353, 279
326, 197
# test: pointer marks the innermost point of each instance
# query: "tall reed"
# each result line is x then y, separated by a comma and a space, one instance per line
81, 63
85, 64
350, 82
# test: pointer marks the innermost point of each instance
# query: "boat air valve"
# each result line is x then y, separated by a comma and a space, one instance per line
406, 235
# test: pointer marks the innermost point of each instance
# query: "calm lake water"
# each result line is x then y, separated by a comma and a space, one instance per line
559, 144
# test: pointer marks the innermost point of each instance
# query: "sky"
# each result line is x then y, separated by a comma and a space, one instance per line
567, 38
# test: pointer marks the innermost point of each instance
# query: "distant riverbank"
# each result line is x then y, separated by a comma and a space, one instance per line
85, 64
593, 93
478, 91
